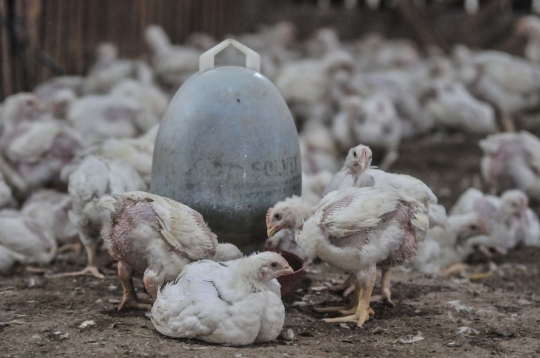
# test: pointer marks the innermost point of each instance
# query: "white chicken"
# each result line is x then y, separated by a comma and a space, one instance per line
94, 178
158, 237
529, 26
409, 186
443, 247
357, 161
512, 160
233, 303
509, 83
305, 84
50, 209
172, 64
100, 117
454, 107
516, 225
108, 70
6, 195
151, 96
372, 121
138, 152
36, 149
25, 240
356, 230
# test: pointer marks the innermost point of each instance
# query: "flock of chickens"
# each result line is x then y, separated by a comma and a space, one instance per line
76, 158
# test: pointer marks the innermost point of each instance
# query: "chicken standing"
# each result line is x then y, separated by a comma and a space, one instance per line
94, 178
233, 303
156, 236
356, 230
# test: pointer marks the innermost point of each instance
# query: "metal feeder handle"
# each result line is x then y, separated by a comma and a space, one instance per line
253, 59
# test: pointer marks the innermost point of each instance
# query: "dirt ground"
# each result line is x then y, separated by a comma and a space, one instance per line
40, 317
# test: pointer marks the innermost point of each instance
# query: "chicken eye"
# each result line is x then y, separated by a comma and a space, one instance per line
354, 154
29, 102
473, 227
369, 157
277, 216
273, 264
514, 205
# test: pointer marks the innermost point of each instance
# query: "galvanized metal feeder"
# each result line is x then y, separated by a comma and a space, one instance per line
228, 147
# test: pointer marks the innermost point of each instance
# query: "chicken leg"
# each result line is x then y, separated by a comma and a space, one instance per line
90, 267
362, 295
508, 124
75, 246
129, 300
386, 294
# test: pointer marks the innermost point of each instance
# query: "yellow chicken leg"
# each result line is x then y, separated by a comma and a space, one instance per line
130, 300
90, 267
363, 310
385, 289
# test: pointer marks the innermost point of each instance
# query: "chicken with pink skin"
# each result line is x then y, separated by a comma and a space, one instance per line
157, 237
356, 230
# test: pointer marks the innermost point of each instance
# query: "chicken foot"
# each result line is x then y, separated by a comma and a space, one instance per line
90, 269
129, 299
362, 297
386, 294
74, 246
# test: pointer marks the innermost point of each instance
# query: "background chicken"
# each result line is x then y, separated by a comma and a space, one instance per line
50, 209
512, 160
24, 240
156, 236
234, 303
94, 178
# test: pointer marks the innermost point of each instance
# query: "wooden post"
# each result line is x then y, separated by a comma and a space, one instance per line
5, 46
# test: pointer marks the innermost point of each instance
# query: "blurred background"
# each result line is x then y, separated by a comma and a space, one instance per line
44, 38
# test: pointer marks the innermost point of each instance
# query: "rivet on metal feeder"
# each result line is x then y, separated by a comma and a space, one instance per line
228, 147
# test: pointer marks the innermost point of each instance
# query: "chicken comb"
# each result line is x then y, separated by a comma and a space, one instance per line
268, 217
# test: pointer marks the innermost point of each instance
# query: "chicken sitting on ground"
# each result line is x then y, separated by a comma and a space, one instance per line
453, 106
138, 152
356, 230
94, 178
24, 240
233, 303
516, 225
50, 209
357, 161
158, 237
512, 161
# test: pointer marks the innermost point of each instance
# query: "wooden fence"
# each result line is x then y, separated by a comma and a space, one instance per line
43, 38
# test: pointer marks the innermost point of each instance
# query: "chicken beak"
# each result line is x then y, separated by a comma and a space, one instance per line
286, 271
271, 231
